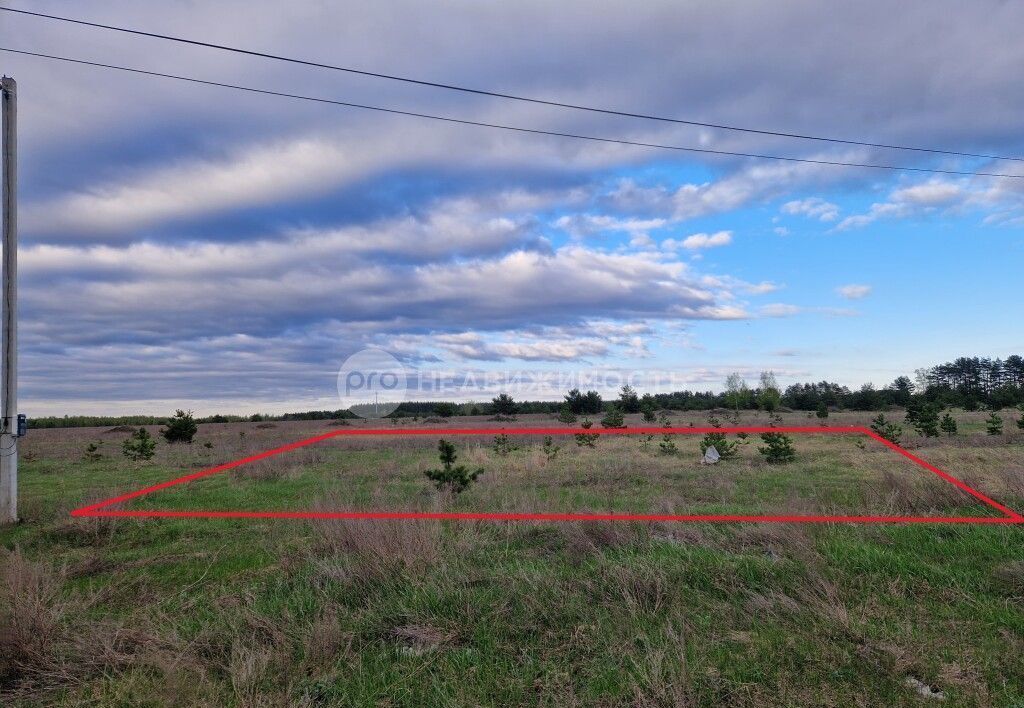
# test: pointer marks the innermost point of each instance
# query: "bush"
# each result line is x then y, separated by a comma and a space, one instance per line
92, 452
778, 448
181, 428
886, 429
822, 411
140, 445
450, 477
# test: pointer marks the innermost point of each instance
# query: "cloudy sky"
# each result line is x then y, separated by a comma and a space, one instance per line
193, 246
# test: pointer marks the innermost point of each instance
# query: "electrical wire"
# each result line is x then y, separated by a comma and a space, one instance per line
517, 129
506, 96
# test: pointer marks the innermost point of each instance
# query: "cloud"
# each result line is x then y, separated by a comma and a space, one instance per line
813, 207
727, 285
698, 241
854, 292
583, 225
1003, 201
750, 184
933, 193
778, 309
191, 243
786, 310
553, 347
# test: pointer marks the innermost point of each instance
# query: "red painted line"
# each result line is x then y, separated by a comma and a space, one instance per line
98, 509
944, 475
515, 516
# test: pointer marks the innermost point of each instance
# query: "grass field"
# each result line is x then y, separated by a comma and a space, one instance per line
270, 612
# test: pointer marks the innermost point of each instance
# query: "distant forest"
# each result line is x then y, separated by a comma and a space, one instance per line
968, 382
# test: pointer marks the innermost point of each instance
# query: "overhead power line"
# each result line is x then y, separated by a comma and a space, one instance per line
517, 129
507, 96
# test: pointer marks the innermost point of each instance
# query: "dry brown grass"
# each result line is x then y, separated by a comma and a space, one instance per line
660, 673
367, 550
44, 644
31, 618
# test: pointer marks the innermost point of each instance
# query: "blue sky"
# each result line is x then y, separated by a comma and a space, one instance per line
187, 246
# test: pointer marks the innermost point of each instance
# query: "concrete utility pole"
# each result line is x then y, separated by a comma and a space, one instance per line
9, 428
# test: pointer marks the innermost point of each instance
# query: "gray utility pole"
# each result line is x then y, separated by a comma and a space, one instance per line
9, 427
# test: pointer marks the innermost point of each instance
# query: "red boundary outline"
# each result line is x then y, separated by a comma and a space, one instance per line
100, 509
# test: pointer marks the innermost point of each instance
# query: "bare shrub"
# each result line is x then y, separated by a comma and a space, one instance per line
45, 642
30, 618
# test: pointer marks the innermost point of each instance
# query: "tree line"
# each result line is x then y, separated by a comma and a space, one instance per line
966, 382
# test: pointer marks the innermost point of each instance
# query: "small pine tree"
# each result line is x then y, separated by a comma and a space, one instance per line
667, 444
502, 445
1020, 421
948, 424
726, 449
586, 439
92, 452
181, 428
629, 401
994, 424
613, 418
565, 415
886, 429
822, 412
778, 448
503, 404
140, 445
647, 409
455, 479
926, 421
550, 449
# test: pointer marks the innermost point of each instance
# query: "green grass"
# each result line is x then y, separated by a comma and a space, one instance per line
212, 612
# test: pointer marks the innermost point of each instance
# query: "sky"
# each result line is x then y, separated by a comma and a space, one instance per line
186, 246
